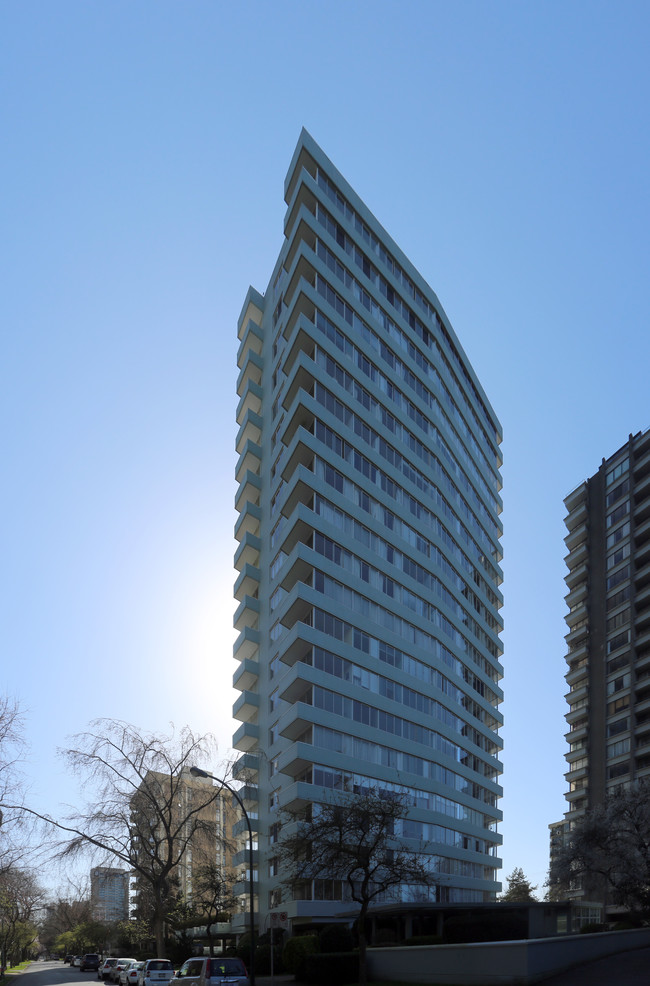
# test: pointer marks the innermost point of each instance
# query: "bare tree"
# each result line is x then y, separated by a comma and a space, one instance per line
354, 841
609, 848
212, 897
64, 912
143, 807
12, 748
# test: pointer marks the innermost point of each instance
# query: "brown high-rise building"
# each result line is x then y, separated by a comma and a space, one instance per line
608, 643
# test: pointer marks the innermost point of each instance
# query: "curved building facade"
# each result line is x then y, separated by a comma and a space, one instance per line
369, 555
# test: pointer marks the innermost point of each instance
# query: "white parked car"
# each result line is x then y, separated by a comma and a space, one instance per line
155, 971
124, 971
105, 967
115, 973
133, 973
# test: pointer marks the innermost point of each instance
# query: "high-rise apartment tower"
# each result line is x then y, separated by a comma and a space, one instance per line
109, 893
368, 559
608, 639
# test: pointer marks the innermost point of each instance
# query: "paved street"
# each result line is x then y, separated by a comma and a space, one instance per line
55, 974
627, 969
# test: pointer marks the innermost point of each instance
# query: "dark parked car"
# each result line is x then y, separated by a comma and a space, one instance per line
89, 961
68, 958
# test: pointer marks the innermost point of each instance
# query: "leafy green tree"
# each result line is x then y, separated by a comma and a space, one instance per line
519, 889
20, 894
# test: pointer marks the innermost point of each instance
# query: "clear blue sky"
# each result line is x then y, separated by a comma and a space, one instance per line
503, 145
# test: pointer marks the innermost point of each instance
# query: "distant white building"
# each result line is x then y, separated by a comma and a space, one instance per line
109, 893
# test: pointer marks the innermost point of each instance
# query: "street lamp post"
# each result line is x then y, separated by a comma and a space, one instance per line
198, 772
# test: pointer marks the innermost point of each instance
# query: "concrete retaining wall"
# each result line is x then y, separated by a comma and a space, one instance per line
514, 963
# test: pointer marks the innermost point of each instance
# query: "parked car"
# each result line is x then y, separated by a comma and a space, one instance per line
133, 973
89, 961
155, 971
210, 972
123, 970
77, 960
115, 970
105, 967
68, 958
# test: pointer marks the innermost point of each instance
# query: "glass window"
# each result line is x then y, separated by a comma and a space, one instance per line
617, 492
620, 576
618, 513
618, 534
617, 471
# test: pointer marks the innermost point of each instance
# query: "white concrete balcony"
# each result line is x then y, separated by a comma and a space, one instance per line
248, 551
303, 198
299, 529
247, 737
251, 370
250, 429
246, 707
298, 682
247, 614
302, 270
250, 400
249, 520
247, 644
247, 675
295, 759
303, 305
300, 342
298, 567
299, 489
303, 232
247, 767
249, 491
247, 584
301, 453
298, 643
251, 338
295, 796
303, 410
296, 720
250, 460
254, 312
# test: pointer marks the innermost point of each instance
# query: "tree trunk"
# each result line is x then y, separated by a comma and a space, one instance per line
361, 932
159, 933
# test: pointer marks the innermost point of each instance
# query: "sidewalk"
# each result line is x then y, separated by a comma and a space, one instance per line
625, 969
